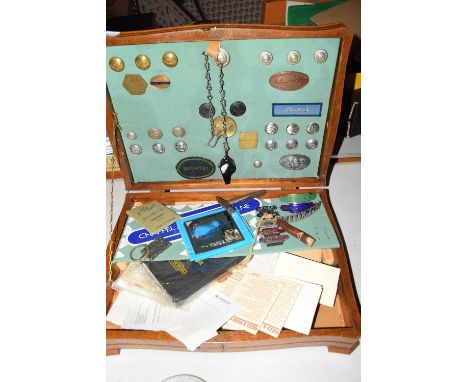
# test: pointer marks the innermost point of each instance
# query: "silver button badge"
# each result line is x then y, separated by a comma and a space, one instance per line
257, 163
292, 128
159, 148
294, 57
311, 143
131, 135
155, 133
181, 146
313, 128
271, 128
291, 144
271, 144
135, 149
266, 58
320, 56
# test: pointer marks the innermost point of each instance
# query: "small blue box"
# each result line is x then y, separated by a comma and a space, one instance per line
214, 232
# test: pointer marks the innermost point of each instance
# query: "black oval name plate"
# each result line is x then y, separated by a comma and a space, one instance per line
195, 168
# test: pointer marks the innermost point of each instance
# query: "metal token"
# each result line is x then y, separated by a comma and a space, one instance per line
311, 143
288, 81
292, 128
294, 57
142, 62
266, 58
223, 57
159, 148
292, 144
135, 149
257, 163
313, 128
206, 111
271, 128
294, 161
178, 131
131, 135
237, 108
116, 64
134, 84
160, 82
170, 59
181, 146
231, 126
155, 133
271, 144
320, 56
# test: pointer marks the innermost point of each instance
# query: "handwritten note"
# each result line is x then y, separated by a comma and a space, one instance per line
153, 216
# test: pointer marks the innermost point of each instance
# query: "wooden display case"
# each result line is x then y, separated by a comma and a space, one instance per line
338, 328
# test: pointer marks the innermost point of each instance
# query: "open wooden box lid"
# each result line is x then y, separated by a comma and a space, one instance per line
137, 103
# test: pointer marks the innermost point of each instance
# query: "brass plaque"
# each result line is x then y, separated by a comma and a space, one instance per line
142, 62
116, 64
170, 59
231, 126
134, 84
160, 82
248, 140
289, 81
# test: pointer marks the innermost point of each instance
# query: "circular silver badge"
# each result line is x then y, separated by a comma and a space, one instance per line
257, 163
291, 144
159, 148
155, 133
311, 143
266, 58
271, 128
271, 144
320, 56
178, 131
223, 57
292, 128
294, 57
135, 149
181, 146
313, 128
131, 135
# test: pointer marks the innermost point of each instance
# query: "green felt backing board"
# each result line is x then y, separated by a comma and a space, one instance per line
318, 225
246, 79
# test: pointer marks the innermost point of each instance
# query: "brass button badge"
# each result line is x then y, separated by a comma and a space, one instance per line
134, 84
160, 82
142, 62
116, 64
231, 126
155, 133
170, 59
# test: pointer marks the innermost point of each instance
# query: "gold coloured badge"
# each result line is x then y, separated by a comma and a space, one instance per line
134, 84
116, 64
231, 126
170, 59
160, 82
248, 140
142, 62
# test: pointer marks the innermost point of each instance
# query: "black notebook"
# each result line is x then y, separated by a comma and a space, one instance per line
181, 279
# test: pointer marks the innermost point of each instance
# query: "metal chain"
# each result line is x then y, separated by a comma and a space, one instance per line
208, 89
222, 92
115, 125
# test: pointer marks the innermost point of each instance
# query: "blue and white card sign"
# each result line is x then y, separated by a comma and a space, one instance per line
296, 109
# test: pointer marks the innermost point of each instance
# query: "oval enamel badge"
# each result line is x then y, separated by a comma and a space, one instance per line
289, 81
195, 168
160, 82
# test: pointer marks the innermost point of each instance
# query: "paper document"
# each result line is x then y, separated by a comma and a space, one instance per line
303, 312
192, 325
310, 271
153, 216
255, 292
279, 312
